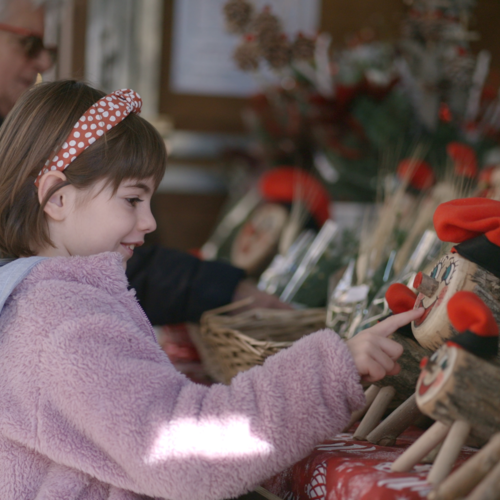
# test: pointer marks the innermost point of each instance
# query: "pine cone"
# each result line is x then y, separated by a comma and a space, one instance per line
276, 52
303, 48
238, 14
247, 54
266, 27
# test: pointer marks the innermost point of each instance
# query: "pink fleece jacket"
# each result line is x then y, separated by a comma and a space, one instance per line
92, 409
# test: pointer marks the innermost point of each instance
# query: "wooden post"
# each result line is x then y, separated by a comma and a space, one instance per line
401, 418
370, 395
449, 452
465, 478
427, 442
375, 412
489, 488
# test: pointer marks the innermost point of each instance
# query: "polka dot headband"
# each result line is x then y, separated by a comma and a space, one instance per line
97, 120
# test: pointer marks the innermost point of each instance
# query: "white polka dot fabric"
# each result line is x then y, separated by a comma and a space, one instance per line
97, 120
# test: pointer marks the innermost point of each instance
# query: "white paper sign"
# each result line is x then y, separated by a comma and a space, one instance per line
202, 49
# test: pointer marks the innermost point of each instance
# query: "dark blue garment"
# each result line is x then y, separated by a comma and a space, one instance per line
173, 286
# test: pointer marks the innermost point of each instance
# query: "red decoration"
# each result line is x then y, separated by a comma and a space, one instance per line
400, 298
464, 159
283, 184
466, 218
445, 113
419, 173
468, 312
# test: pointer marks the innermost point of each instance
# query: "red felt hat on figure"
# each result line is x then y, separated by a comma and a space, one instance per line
285, 184
478, 330
473, 223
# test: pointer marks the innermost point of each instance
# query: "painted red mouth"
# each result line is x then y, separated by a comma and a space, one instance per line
423, 387
429, 308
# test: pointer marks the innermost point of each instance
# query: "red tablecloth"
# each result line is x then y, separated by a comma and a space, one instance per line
344, 469
338, 469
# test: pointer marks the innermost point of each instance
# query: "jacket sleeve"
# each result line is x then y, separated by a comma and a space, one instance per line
111, 405
174, 287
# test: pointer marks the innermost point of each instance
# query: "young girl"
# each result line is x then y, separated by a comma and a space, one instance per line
90, 406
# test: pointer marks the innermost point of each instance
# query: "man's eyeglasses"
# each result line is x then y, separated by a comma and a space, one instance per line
31, 42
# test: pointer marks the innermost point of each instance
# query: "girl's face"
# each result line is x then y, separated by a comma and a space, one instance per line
99, 221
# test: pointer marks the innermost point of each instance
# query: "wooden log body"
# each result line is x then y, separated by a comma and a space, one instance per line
454, 273
406, 380
457, 385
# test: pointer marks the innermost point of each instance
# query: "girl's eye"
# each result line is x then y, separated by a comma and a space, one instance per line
133, 201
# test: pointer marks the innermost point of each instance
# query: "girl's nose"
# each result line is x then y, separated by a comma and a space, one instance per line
147, 222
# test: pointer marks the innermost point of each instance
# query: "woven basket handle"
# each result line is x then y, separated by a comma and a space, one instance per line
229, 307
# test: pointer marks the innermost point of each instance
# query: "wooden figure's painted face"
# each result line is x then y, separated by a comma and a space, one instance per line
257, 240
443, 273
452, 273
435, 373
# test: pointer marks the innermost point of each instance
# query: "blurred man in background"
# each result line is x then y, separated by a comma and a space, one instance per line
22, 52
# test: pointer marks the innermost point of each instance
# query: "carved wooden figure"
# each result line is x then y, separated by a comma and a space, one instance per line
450, 275
473, 265
473, 224
458, 388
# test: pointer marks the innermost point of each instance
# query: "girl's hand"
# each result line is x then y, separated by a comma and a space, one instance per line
375, 355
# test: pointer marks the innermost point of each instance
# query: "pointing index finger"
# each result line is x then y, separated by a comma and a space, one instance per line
396, 321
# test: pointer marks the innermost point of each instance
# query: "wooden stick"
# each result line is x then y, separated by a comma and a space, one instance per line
449, 452
423, 445
370, 395
266, 493
375, 412
388, 431
465, 478
489, 488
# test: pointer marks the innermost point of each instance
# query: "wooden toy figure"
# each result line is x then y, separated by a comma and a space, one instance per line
291, 198
472, 265
458, 387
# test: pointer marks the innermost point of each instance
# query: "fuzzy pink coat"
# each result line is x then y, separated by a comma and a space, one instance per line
92, 409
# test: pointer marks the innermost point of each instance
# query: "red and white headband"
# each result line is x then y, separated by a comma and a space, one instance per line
97, 120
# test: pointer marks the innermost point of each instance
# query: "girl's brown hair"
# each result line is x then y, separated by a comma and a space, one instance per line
35, 129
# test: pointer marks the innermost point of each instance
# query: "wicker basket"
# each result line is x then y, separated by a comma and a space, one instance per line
230, 344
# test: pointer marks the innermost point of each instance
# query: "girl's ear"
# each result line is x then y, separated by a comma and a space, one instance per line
57, 205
